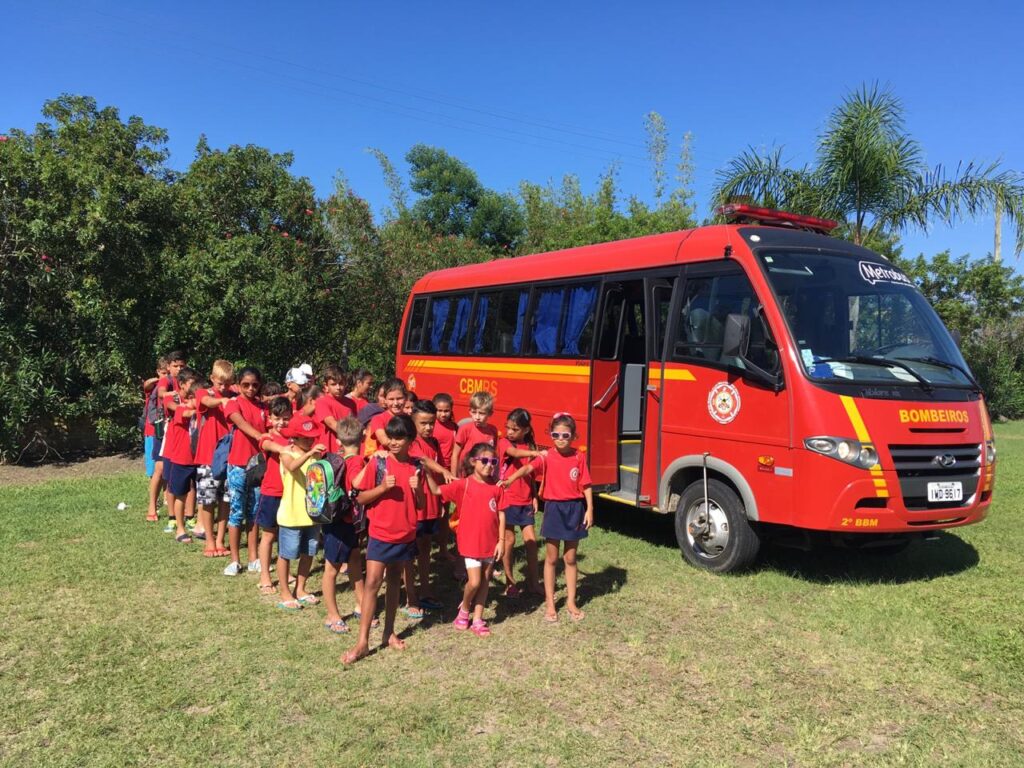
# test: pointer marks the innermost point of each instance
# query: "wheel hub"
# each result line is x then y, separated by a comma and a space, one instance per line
707, 529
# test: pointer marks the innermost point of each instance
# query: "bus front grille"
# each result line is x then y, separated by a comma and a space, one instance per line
918, 465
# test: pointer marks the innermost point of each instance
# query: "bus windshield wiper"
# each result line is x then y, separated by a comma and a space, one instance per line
882, 363
948, 366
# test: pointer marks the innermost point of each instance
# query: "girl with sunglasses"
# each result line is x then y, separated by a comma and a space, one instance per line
568, 509
478, 535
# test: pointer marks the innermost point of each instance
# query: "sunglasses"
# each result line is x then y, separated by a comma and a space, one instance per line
492, 461
561, 435
248, 385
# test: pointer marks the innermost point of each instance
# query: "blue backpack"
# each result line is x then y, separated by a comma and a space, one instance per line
219, 465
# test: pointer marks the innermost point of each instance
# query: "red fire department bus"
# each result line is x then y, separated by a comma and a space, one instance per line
741, 377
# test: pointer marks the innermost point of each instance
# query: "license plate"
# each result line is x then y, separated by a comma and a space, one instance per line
945, 491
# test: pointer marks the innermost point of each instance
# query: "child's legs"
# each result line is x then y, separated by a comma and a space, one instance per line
155, 480
480, 598
236, 513
329, 586
190, 502
283, 569
222, 520
530, 544
206, 524
473, 579
569, 558
178, 506
252, 532
550, 564
368, 605
409, 579
305, 563
267, 538
423, 562
355, 574
506, 560
393, 575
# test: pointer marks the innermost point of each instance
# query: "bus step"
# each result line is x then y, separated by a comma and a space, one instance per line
629, 478
620, 497
629, 452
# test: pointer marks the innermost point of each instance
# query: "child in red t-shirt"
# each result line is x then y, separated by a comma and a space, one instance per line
478, 535
394, 404
520, 500
333, 406
213, 425
154, 437
568, 509
392, 507
426, 449
476, 430
248, 415
445, 428
179, 462
362, 383
271, 488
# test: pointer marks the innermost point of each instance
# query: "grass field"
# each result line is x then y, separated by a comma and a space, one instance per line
118, 647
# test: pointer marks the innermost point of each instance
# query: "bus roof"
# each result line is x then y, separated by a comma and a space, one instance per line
616, 256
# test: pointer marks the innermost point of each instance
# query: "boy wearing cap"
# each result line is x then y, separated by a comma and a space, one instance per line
295, 381
297, 534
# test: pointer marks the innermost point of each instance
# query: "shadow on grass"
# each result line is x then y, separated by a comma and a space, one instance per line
945, 555
590, 586
653, 527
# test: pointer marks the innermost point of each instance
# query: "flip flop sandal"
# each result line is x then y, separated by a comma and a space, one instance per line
338, 627
309, 600
152, 518
413, 613
430, 604
183, 539
358, 617
222, 552
461, 621
290, 605
209, 553
201, 535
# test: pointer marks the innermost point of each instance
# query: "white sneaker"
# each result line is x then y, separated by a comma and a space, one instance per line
253, 567
233, 569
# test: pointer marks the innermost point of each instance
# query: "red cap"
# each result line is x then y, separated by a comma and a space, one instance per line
301, 425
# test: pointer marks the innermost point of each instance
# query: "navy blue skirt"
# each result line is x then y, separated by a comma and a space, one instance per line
564, 520
387, 552
521, 515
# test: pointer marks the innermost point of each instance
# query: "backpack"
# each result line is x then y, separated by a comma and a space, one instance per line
255, 469
219, 465
326, 498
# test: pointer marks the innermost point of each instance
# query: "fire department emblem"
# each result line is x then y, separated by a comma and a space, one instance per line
412, 382
574, 474
723, 402
493, 505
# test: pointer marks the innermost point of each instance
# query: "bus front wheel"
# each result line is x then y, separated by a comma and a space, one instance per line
715, 536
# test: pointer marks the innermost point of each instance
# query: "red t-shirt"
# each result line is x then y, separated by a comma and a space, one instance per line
170, 385
272, 485
478, 503
520, 493
393, 515
426, 448
214, 426
338, 409
565, 477
444, 433
254, 413
470, 434
148, 430
358, 403
380, 421
178, 440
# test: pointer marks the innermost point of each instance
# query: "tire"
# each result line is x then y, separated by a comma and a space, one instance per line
730, 543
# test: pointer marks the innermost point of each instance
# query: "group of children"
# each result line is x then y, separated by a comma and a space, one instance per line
232, 453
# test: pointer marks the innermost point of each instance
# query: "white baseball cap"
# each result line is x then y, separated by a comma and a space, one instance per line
296, 376
307, 369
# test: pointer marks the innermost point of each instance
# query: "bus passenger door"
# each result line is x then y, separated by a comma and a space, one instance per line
603, 435
659, 299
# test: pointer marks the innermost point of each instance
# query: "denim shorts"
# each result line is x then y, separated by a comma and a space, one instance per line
244, 499
295, 542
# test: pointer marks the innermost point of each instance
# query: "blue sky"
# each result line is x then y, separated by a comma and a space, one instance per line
529, 90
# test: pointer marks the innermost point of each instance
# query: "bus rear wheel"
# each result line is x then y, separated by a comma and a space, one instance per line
717, 536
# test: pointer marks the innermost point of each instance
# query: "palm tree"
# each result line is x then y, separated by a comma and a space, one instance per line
871, 176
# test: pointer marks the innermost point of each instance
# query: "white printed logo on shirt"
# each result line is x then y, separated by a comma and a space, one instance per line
574, 474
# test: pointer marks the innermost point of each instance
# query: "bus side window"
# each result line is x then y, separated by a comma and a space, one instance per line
498, 322
447, 324
545, 320
414, 335
608, 342
579, 321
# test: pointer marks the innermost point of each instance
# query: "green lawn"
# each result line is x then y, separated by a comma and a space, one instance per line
118, 647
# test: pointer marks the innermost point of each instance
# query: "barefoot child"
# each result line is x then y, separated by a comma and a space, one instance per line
298, 536
271, 488
519, 502
568, 509
478, 534
392, 503
341, 542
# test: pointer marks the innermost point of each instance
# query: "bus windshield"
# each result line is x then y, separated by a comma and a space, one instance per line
862, 320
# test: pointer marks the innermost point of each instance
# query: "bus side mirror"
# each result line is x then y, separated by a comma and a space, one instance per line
737, 336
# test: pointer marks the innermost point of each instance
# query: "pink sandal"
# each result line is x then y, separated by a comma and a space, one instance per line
480, 629
462, 620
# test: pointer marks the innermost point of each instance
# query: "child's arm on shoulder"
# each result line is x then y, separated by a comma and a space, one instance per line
244, 426
433, 466
148, 384
522, 453
523, 471
209, 401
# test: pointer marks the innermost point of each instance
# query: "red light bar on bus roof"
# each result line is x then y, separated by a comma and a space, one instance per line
736, 213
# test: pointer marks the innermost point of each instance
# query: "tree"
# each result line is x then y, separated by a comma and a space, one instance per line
84, 214
870, 175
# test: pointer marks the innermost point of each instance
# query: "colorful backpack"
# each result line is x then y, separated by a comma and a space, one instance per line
326, 498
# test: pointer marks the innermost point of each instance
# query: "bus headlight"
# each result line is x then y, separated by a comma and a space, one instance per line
844, 449
990, 451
